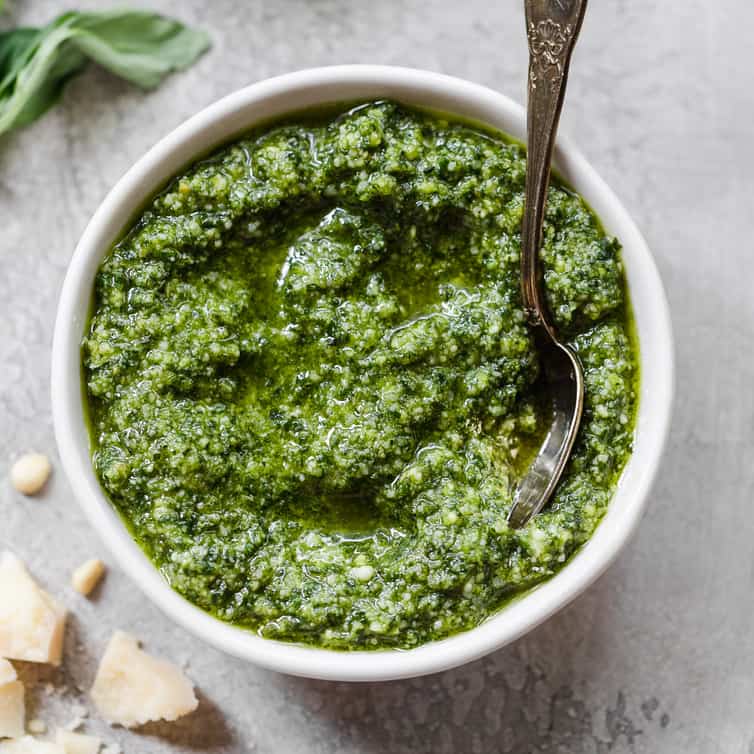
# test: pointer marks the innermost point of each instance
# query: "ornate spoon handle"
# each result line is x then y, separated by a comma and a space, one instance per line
552, 29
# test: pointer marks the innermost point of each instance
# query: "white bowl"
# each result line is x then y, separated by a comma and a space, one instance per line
271, 99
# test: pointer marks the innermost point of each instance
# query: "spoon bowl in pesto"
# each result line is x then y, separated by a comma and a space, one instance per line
294, 392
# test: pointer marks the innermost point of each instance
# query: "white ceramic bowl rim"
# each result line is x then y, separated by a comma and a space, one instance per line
265, 101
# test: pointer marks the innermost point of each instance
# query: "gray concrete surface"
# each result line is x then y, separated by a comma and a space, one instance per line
659, 655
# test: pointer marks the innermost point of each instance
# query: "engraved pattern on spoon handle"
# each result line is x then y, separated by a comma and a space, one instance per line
552, 29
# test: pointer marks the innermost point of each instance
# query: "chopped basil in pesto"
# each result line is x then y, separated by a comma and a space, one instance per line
312, 389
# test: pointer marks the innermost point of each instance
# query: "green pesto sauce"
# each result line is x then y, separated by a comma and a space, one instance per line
312, 390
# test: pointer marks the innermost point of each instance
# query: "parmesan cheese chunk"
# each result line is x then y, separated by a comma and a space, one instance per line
77, 743
12, 711
87, 576
31, 621
7, 672
30, 745
132, 687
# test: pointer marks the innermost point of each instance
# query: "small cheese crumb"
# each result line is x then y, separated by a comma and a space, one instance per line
30, 745
132, 687
362, 573
37, 726
78, 743
30, 472
12, 709
87, 576
7, 672
31, 621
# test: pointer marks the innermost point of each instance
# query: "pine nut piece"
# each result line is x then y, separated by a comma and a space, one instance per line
87, 576
30, 472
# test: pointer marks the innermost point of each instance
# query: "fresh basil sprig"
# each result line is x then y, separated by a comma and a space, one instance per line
139, 46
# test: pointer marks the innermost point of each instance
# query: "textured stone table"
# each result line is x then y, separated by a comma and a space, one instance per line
659, 655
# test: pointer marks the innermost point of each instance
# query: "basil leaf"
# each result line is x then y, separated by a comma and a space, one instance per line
37, 68
139, 46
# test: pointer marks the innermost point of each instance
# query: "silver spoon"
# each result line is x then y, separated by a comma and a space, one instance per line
552, 28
